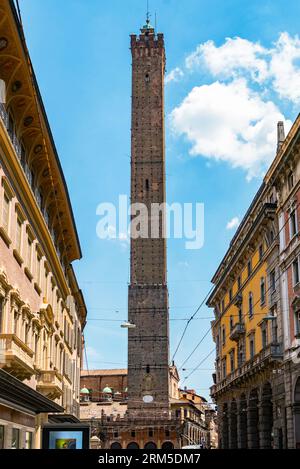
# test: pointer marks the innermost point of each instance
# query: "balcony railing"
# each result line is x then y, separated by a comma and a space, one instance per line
271, 353
16, 357
237, 331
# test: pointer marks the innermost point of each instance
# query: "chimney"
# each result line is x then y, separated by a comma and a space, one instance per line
280, 135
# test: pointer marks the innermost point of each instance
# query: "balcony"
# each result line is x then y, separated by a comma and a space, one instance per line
49, 384
16, 357
237, 332
268, 356
238, 300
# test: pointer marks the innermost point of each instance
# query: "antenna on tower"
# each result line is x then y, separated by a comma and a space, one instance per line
148, 13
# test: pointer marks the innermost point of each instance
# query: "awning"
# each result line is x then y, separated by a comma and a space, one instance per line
16, 393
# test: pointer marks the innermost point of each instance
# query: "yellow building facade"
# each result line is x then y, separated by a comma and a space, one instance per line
247, 332
42, 310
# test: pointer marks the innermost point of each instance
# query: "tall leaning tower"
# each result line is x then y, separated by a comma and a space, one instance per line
148, 342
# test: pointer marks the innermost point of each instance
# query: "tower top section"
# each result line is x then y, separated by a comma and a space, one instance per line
147, 39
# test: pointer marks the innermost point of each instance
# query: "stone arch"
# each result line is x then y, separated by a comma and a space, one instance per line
133, 445
233, 425
252, 420
296, 409
116, 445
242, 423
150, 445
266, 417
167, 445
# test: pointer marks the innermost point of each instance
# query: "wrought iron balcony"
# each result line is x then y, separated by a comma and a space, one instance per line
49, 384
237, 332
16, 357
270, 354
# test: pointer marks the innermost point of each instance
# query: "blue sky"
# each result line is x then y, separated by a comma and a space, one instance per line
223, 100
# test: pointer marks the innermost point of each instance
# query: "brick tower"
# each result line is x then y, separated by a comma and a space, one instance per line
148, 343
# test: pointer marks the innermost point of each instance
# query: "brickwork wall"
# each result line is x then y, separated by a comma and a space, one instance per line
148, 349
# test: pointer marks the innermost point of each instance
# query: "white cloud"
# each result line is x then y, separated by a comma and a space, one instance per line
174, 75
284, 69
229, 122
233, 223
233, 58
277, 68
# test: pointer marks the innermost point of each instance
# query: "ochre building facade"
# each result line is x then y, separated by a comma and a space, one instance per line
255, 301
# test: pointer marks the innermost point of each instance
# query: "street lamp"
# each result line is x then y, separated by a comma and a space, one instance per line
128, 325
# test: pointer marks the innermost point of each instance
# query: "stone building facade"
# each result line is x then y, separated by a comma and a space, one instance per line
284, 175
42, 310
257, 364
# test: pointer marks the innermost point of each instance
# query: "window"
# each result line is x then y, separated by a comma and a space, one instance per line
28, 440
232, 365
223, 335
38, 267
240, 316
250, 305
239, 281
272, 281
223, 306
16, 317
15, 441
217, 344
297, 323
1, 314
224, 368
293, 224
2, 430
295, 272
261, 251
230, 294
19, 235
231, 323
249, 268
147, 184
291, 180
251, 346
27, 329
29, 252
264, 335
262, 291
5, 212
150, 432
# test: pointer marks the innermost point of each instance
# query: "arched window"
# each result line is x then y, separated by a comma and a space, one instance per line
167, 445
115, 445
133, 445
150, 445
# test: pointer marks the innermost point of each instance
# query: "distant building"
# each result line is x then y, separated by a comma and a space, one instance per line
42, 310
104, 404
